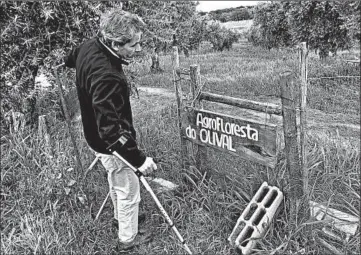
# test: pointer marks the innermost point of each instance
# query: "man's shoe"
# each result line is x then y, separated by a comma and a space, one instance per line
139, 240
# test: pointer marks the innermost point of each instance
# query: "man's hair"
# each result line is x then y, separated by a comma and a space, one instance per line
119, 26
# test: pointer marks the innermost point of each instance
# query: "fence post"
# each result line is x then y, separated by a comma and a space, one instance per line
43, 133
68, 122
303, 54
178, 93
18, 120
201, 151
289, 97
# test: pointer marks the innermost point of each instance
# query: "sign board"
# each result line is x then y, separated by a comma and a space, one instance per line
248, 139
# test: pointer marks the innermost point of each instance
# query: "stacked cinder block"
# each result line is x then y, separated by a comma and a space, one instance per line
255, 219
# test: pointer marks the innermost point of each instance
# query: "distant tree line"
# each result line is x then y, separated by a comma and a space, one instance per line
326, 26
231, 14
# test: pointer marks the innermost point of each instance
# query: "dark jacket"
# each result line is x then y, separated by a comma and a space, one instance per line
103, 94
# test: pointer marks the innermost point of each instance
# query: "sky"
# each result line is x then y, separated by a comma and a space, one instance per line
207, 6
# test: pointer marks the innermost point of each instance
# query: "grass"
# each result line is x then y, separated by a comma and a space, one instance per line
38, 216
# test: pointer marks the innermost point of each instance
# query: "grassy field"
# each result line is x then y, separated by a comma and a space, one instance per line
45, 212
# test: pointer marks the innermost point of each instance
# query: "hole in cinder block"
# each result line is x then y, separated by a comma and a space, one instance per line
271, 198
246, 237
263, 193
259, 216
251, 211
237, 231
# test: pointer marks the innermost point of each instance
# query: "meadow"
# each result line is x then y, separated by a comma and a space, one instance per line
48, 207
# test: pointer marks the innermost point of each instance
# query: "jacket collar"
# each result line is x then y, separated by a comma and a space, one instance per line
111, 52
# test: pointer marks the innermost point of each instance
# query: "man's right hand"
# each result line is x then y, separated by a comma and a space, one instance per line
148, 166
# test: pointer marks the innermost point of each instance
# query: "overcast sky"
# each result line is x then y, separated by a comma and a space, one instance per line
207, 6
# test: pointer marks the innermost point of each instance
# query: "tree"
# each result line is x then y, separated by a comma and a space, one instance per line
38, 34
221, 38
270, 27
326, 26
240, 14
31, 31
320, 24
351, 14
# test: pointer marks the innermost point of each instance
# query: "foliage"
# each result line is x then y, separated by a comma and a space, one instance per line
38, 34
271, 21
351, 14
178, 18
320, 24
270, 27
232, 14
325, 26
220, 37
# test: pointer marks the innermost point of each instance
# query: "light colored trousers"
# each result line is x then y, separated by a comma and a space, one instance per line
125, 194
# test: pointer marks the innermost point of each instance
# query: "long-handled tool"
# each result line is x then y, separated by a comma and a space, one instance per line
163, 184
162, 210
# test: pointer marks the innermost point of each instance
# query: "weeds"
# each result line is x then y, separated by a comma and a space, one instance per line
42, 212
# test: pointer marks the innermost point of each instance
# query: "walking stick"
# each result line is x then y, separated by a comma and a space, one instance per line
162, 210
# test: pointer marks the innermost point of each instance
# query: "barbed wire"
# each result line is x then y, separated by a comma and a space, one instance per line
334, 77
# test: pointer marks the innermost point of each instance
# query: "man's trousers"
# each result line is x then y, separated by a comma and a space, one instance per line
125, 194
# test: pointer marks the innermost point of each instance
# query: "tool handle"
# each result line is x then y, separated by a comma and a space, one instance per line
102, 207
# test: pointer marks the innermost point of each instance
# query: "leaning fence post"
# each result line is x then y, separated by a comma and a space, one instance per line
201, 152
68, 122
178, 93
289, 97
303, 113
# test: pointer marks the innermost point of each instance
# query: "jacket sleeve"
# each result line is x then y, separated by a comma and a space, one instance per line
108, 105
70, 58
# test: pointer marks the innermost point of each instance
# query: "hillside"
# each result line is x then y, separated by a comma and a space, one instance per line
238, 26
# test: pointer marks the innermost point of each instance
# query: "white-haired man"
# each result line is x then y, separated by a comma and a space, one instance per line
103, 94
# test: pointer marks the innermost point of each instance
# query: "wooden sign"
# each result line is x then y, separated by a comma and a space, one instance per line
249, 139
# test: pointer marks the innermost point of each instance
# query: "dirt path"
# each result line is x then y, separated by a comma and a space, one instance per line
157, 91
317, 120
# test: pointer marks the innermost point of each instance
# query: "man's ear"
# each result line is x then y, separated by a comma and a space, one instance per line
115, 46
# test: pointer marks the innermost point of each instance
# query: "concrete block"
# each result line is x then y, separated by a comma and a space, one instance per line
255, 219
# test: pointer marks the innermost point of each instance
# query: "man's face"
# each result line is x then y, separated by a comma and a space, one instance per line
128, 50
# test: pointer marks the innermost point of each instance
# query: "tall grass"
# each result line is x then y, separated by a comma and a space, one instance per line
43, 212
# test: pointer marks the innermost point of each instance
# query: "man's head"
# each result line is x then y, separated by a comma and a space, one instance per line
122, 31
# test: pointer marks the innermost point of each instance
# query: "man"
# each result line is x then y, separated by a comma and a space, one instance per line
103, 94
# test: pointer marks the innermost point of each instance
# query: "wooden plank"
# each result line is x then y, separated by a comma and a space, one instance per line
249, 139
243, 103
342, 221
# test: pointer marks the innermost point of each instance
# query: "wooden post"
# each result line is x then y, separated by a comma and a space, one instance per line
178, 93
43, 133
201, 152
18, 121
289, 98
175, 58
68, 122
303, 90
